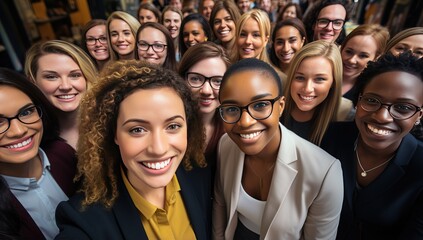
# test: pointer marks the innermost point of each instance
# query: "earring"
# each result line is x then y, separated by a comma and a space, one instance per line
417, 122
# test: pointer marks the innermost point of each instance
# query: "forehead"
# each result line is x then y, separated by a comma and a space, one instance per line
151, 33
171, 15
332, 12
11, 99
117, 24
97, 29
415, 40
193, 24
222, 13
146, 12
287, 31
251, 25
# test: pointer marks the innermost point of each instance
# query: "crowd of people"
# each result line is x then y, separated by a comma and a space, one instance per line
240, 121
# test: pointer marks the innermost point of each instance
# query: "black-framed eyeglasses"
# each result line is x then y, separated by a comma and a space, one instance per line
399, 111
336, 24
259, 110
28, 115
92, 41
197, 80
157, 47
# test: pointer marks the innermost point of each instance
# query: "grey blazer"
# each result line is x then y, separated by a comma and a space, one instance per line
305, 196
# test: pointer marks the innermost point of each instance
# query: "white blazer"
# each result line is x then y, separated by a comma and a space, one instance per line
305, 196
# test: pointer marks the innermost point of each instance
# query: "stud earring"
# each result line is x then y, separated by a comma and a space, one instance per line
417, 122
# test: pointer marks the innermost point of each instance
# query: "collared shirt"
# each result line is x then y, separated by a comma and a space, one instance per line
169, 223
39, 198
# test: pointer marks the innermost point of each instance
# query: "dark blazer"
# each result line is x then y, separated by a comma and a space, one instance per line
63, 168
391, 207
122, 220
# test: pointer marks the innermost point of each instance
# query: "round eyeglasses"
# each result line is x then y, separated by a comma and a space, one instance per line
399, 111
259, 110
93, 41
28, 115
324, 22
197, 80
157, 47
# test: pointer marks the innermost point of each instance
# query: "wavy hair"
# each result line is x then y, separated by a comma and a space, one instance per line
132, 23
81, 58
262, 18
326, 111
233, 11
170, 61
98, 156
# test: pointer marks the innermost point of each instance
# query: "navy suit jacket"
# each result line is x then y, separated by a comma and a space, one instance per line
63, 168
122, 220
391, 207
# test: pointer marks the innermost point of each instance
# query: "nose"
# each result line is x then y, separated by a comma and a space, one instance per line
382, 115
121, 37
249, 38
246, 120
286, 47
206, 88
150, 50
353, 59
223, 24
158, 143
16, 129
191, 38
308, 85
65, 85
329, 26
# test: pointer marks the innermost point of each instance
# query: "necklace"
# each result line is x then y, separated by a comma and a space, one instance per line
260, 177
364, 172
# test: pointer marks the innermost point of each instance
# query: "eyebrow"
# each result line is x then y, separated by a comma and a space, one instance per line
257, 97
21, 109
138, 120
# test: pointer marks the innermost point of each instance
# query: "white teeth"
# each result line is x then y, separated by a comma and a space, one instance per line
250, 135
66, 96
19, 145
378, 131
157, 165
307, 98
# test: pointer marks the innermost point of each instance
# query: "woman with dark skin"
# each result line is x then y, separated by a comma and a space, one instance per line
194, 29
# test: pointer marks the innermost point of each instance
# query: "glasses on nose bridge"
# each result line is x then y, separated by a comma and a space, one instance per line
157, 47
399, 111
28, 115
197, 80
92, 41
259, 110
337, 24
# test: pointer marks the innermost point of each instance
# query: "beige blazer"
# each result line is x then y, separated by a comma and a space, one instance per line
305, 196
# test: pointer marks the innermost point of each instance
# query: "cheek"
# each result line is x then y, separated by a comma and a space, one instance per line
81, 85
47, 87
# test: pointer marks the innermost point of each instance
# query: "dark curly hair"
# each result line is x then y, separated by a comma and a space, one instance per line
98, 155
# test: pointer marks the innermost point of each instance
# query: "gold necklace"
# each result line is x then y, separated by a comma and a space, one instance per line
262, 176
364, 172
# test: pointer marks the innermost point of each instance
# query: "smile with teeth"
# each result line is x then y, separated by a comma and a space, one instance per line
250, 135
69, 96
306, 98
156, 165
375, 130
21, 144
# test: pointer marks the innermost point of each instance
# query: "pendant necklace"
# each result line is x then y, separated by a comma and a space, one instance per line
364, 172
260, 177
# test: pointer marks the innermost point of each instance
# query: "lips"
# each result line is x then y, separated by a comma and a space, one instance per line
156, 165
378, 131
20, 144
250, 135
66, 96
286, 56
306, 98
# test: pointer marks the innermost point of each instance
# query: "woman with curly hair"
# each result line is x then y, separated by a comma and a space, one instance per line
137, 125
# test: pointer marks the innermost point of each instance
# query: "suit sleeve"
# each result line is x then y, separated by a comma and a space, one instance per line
70, 223
324, 213
219, 205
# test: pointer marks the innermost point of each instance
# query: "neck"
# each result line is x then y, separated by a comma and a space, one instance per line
284, 67
127, 56
155, 196
28, 169
68, 122
101, 63
208, 124
379, 155
301, 116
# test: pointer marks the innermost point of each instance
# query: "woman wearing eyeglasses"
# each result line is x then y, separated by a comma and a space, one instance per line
155, 45
382, 162
94, 41
36, 163
270, 183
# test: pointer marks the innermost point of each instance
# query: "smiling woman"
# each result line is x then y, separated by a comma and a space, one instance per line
140, 160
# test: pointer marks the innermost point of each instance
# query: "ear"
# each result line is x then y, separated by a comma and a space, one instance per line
116, 140
302, 41
281, 105
266, 40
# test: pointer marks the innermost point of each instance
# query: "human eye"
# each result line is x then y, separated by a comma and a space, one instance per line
400, 48
279, 42
114, 34
137, 130
217, 22
216, 81
261, 105
50, 76
75, 75
349, 52
127, 33
27, 112
418, 53
3, 121
158, 46
256, 35
90, 40
243, 34
228, 19
338, 23
323, 21
231, 110
404, 107
193, 77
293, 40
299, 78
371, 101
320, 79
103, 39
174, 127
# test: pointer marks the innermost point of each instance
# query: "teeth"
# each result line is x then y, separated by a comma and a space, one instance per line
378, 131
19, 145
250, 135
66, 96
307, 98
157, 165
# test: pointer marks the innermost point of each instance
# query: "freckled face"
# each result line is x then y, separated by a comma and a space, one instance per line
253, 137
152, 139
61, 80
378, 130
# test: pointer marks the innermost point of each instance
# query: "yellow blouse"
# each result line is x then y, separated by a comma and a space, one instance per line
169, 223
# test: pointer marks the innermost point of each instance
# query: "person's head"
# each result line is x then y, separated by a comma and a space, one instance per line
194, 29
62, 71
223, 18
253, 85
147, 12
203, 66
205, 8
326, 20
389, 100
243, 5
176, 4
141, 118
171, 19
409, 39
313, 88
252, 35
27, 121
122, 29
288, 37
94, 40
155, 45
291, 10
365, 43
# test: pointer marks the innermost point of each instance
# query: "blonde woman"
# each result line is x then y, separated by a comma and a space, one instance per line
63, 72
313, 91
122, 29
